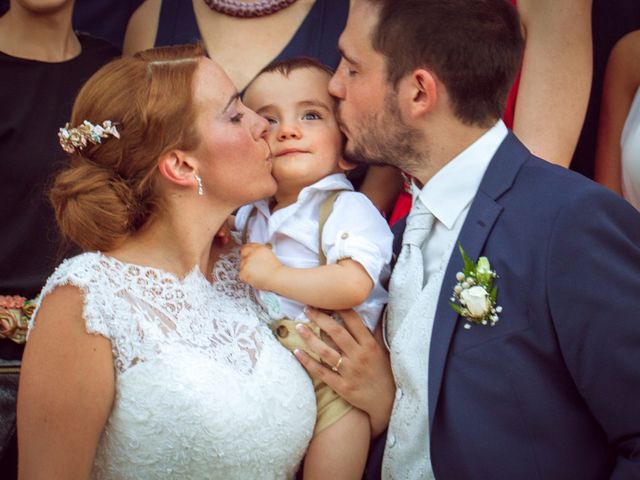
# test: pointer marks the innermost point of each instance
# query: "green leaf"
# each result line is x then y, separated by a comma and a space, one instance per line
493, 294
483, 271
457, 309
469, 265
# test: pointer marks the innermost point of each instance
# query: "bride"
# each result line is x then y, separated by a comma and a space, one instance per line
144, 359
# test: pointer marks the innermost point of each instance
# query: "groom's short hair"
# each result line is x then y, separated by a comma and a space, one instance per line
474, 47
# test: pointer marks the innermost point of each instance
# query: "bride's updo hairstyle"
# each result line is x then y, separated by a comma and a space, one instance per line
108, 191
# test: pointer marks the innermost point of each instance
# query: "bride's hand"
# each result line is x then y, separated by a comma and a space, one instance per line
361, 375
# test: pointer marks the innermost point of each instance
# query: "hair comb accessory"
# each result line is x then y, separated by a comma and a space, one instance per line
77, 138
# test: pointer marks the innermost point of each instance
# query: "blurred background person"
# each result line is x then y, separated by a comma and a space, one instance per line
43, 63
611, 20
618, 152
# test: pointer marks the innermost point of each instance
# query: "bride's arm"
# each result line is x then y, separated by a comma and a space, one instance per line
66, 391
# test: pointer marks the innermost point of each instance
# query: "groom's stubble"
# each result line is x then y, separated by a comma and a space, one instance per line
383, 138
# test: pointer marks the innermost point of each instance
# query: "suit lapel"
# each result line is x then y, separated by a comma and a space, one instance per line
483, 213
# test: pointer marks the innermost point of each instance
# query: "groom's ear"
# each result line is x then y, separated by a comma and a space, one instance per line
420, 93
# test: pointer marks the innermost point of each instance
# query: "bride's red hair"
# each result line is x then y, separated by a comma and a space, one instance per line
108, 191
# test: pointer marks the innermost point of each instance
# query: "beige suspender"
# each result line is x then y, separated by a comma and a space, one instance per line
326, 207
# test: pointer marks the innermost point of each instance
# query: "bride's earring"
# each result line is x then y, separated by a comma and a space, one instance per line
200, 187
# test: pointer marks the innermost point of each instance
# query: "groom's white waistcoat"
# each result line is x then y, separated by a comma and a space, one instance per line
448, 196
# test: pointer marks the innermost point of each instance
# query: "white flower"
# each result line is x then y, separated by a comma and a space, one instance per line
476, 300
474, 295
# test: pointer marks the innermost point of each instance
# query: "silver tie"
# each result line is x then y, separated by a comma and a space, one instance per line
407, 279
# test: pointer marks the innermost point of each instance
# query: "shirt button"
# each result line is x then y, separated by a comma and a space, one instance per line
399, 394
391, 440
344, 236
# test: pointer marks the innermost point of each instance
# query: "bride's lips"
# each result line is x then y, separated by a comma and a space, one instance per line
289, 151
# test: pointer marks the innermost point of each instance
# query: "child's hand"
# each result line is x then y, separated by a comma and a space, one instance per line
223, 235
258, 265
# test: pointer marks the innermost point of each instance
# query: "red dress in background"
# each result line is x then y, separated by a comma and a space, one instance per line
403, 203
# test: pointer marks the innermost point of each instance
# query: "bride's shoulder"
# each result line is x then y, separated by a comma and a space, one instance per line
92, 273
86, 267
91, 276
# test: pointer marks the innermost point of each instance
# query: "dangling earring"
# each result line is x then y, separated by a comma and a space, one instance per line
200, 187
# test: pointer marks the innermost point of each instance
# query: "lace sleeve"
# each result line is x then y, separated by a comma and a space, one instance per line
81, 272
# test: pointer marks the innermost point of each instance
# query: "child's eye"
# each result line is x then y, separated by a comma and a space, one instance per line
237, 117
312, 116
271, 120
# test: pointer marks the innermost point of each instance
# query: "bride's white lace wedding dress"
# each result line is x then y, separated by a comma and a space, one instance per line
203, 390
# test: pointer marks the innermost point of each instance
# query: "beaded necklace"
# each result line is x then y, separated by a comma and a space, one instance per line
237, 8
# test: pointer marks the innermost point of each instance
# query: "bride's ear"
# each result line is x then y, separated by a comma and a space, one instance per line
177, 168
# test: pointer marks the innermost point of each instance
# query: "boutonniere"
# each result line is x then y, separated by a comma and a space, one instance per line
474, 296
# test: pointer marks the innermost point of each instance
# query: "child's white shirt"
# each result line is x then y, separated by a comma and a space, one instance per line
355, 229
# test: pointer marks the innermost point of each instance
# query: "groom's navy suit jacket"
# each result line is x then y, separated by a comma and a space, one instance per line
552, 391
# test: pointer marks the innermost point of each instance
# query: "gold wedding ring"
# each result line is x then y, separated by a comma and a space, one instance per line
337, 365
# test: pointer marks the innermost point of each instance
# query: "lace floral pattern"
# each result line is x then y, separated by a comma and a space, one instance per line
203, 390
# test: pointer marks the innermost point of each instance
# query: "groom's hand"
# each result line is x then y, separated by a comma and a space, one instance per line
363, 377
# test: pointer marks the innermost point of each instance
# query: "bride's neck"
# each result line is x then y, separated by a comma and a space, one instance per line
175, 244
46, 37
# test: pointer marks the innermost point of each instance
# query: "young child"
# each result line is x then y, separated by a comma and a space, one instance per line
317, 242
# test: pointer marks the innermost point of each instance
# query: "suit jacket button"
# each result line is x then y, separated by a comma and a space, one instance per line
344, 236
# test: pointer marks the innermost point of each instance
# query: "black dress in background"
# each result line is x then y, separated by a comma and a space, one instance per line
106, 19
35, 101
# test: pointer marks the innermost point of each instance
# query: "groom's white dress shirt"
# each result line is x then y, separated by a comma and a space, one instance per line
448, 196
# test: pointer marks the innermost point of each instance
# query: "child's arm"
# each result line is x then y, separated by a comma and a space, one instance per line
337, 286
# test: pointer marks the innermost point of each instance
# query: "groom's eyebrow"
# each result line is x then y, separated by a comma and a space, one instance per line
349, 59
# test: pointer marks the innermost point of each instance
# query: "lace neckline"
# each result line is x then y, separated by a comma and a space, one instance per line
195, 274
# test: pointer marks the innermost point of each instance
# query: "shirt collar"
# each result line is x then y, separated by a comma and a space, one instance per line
453, 187
335, 181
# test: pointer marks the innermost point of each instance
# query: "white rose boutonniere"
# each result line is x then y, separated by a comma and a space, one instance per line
474, 296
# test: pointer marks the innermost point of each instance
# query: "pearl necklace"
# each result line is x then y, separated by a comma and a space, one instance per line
237, 8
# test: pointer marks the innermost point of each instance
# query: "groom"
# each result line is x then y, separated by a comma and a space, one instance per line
542, 381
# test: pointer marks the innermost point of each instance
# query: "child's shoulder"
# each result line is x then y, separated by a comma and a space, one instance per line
356, 200
355, 208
